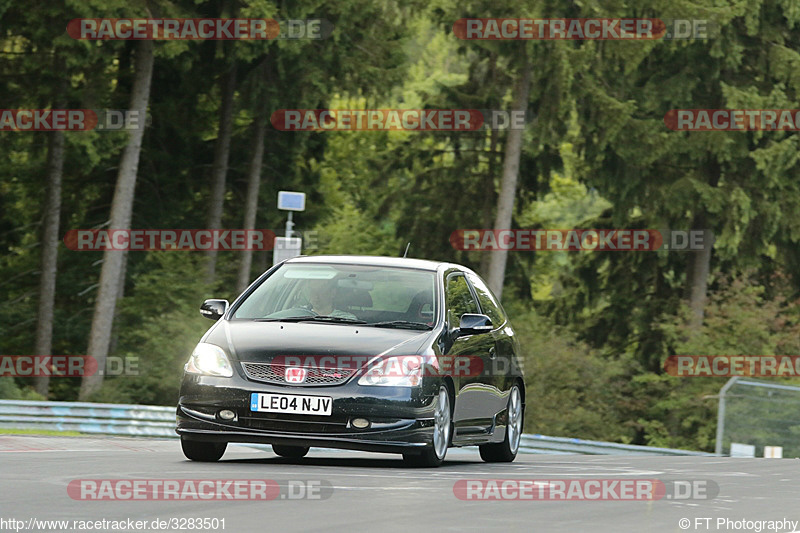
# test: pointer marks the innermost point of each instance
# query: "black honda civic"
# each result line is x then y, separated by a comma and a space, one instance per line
367, 353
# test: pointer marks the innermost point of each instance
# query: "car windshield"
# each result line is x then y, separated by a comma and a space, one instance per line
342, 294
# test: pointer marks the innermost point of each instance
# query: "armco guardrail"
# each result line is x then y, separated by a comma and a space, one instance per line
157, 421
98, 418
566, 445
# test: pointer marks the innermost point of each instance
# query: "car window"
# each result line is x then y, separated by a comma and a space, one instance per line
459, 299
365, 293
489, 304
392, 296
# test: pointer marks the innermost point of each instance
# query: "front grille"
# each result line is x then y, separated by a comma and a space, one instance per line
275, 373
327, 424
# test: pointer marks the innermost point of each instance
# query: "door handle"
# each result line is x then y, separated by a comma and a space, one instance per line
492, 355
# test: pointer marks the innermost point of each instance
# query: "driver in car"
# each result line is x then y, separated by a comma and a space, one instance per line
321, 293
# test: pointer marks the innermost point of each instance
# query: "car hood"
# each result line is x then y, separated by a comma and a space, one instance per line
249, 341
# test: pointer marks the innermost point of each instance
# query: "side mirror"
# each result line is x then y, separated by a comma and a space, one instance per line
474, 324
214, 309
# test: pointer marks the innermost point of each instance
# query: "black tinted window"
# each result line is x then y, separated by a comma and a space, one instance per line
349, 291
459, 299
489, 304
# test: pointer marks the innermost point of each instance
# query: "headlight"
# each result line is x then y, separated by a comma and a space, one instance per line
399, 371
210, 360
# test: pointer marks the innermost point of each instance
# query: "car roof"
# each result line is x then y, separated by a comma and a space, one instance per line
371, 260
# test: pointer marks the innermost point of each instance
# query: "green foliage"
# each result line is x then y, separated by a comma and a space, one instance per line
9, 390
348, 231
159, 325
4, 431
596, 154
681, 411
579, 391
568, 204
571, 390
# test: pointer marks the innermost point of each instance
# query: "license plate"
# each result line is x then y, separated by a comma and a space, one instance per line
291, 403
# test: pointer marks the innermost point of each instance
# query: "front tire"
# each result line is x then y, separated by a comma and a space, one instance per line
506, 451
433, 455
202, 451
290, 452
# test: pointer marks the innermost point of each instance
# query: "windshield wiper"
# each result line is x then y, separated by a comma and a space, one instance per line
338, 319
315, 318
404, 324
284, 319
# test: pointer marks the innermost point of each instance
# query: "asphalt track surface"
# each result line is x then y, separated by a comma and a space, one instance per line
375, 492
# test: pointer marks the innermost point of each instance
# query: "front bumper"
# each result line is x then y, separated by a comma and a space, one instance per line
401, 418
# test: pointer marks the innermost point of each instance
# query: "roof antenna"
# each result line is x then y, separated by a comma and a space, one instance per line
406, 252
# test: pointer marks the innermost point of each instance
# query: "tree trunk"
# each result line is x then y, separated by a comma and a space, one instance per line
697, 270
47, 279
112, 345
219, 169
251, 201
263, 261
699, 265
121, 213
697, 278
508, 187
488, 185
488, 196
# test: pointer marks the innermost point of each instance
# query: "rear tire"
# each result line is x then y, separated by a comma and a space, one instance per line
290, 452
506, 451
433, 455
203, 451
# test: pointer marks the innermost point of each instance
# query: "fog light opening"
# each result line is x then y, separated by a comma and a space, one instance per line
360, 423
227, 414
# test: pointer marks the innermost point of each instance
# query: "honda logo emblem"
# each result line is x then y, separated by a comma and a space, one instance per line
295, 375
